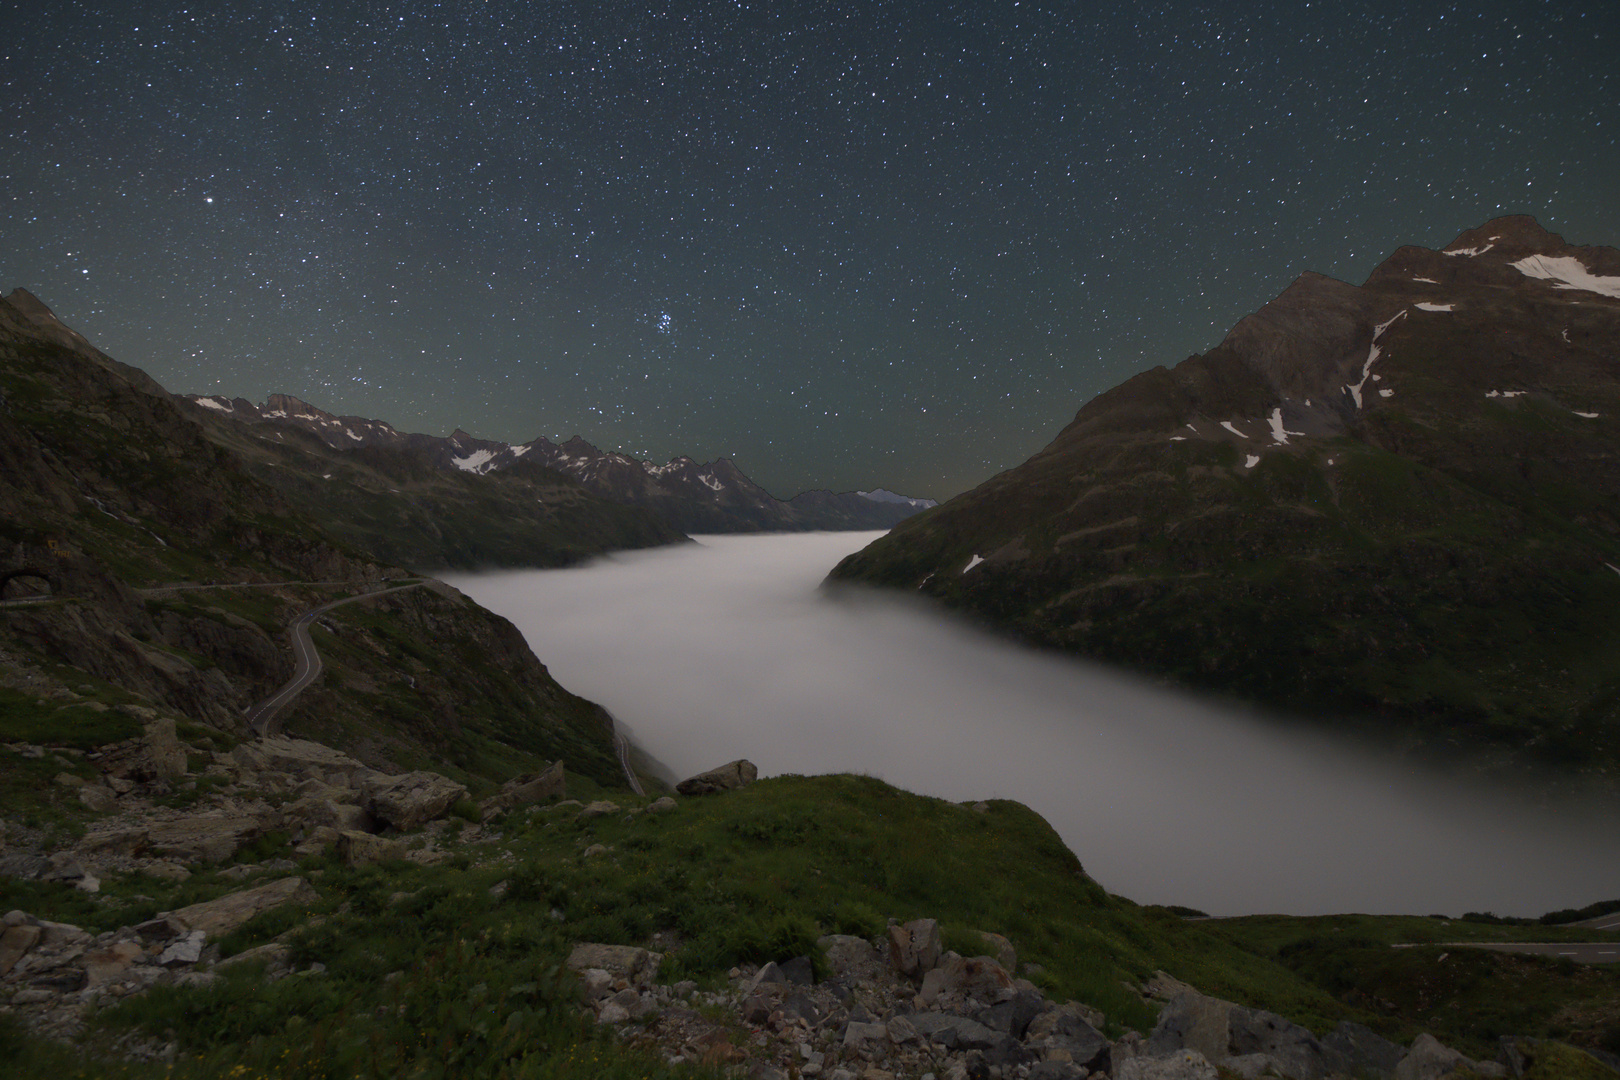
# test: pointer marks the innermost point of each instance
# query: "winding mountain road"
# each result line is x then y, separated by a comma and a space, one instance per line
621, 746
307, 666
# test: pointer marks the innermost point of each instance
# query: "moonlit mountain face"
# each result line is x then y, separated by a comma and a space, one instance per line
841, 245
1394, 503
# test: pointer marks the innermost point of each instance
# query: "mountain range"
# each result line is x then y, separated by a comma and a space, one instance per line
691, 497
1394, 503
403, 885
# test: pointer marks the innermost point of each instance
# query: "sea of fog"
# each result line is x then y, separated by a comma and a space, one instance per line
726, 648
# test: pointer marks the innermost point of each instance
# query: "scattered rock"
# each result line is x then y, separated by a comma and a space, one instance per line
728, 777
601, 808
662, 805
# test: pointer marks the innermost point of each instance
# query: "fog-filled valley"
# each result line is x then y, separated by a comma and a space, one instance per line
728, 648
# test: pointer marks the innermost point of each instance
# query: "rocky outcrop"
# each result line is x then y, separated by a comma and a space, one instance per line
914, 949
619, 961
526, 790
218, 917
728, 777
55, 972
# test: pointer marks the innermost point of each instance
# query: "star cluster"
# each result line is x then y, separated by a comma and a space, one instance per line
847, 244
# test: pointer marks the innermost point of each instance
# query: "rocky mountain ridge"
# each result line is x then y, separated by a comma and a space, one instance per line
1396, 503
693, 496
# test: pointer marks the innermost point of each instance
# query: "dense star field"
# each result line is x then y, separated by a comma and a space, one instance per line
847, 244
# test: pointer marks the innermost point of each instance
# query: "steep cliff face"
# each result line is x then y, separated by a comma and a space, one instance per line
1398, 500
142, 564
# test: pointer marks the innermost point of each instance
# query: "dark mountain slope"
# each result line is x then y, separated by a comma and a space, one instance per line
402, 499
108, 491
1400, 500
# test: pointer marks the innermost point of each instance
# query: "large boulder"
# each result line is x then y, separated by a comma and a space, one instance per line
1429, 1059
977, 976
412, 799
526, 790
299, 757
221, 916
15, 943
728, 777
621, 961
1067, 1028
1361, 1051
1293, 1050
165, 753
1191, 1021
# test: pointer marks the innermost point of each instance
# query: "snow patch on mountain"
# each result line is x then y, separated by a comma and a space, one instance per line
475, 462
1278, 432
1435, 307
883, 496
1567, 272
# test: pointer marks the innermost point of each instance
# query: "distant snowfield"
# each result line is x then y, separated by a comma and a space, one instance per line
727, 649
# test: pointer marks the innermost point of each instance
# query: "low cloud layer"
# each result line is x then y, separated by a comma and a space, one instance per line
727, 649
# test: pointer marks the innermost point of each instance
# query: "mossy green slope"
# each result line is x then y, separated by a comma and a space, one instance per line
431, 971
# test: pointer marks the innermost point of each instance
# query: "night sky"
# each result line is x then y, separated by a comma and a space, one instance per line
846, 244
